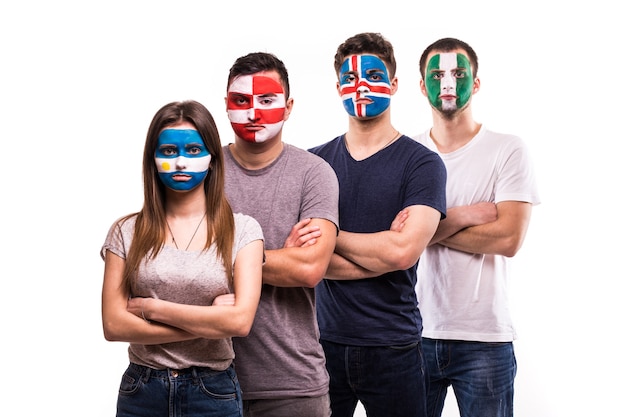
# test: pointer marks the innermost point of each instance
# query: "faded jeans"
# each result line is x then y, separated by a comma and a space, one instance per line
481, 375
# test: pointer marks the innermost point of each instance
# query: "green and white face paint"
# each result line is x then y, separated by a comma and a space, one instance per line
449, 81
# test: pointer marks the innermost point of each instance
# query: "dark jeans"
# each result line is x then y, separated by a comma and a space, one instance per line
192, 392
389, 381
481, 375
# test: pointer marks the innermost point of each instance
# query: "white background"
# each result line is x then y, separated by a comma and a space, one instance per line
80, 82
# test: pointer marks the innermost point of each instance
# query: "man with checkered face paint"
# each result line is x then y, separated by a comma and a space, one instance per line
369, 321
294, 195
463, 278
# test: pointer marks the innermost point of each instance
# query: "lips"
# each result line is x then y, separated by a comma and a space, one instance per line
181, 177
447, 97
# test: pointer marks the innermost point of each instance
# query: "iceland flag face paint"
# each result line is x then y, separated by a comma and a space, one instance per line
181, 158
256, 107
364, 86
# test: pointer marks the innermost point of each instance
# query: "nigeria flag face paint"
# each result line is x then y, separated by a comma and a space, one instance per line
364, 86
449, 81
181, 159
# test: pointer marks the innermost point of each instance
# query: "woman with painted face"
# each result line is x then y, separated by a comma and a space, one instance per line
166, 264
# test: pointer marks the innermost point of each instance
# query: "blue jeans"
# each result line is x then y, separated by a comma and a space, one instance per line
389, 381
481, 375
192, 392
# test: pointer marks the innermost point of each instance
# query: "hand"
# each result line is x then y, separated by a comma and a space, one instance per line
302, 234
135, 306
398, 222
224, 300
481, 213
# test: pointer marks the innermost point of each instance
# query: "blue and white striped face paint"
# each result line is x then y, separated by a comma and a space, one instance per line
181, 159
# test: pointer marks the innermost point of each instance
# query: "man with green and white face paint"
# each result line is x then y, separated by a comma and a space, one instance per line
462, 274
449, 81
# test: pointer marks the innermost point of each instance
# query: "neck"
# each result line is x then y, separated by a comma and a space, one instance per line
450, 134
185, 205
256, 155
366, 137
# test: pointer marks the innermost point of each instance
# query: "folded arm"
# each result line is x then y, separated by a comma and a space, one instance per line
502, 236
373, 254
300, 264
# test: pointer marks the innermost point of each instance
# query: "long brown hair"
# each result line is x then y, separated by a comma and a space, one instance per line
150, 227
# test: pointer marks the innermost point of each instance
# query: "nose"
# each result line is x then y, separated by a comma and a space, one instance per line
252, 114
180, 163
448, 82
363, 88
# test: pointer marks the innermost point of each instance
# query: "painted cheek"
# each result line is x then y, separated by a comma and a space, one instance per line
270, 116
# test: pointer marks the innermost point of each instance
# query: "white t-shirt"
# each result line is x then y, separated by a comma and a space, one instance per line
463, 296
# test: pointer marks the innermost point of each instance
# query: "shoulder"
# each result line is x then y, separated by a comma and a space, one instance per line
329, 146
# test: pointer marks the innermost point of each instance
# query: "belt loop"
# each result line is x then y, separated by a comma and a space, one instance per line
194, 373
146, 374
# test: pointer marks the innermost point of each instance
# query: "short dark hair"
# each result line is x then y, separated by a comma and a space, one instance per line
257, 62
367, 43
448, 45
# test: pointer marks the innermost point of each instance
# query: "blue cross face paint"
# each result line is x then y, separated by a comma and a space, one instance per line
181, 159
364, 86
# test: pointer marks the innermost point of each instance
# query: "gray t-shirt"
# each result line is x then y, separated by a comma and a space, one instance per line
186, 277
282, 356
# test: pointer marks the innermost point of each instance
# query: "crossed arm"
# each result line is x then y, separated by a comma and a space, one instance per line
485, 228
366, 255
165, 322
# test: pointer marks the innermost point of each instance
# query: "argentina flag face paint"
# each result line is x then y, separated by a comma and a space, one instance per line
364, 86
181, 159
449, 81
256, 107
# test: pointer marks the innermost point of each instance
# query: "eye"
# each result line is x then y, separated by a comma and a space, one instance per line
459, 73
239, 100
168, 151
194, 149
348, 78
266, 100
437, 75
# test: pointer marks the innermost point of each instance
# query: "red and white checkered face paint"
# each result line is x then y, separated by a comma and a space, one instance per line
256, 107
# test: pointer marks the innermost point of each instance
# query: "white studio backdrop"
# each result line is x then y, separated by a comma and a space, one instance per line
80, 82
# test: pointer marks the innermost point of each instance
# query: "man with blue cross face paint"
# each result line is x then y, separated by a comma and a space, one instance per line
370, 325
462, 285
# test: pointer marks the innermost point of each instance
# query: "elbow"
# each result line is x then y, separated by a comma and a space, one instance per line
111, 333
241, 328
405, 260
312, 274
511, 246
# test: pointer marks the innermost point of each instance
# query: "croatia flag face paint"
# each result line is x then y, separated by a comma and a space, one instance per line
256, 107
364, 86
181, 159
449, 81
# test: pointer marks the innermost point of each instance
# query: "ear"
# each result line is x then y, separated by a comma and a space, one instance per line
423, 88
394, 85
476, 86
338, 88
288, 108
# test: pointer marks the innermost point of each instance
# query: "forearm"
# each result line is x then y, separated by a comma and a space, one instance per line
503, 236
374, 252
303, 265
342, 269
462, 217
210, 322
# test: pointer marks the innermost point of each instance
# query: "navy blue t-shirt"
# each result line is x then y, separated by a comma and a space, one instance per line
378, 311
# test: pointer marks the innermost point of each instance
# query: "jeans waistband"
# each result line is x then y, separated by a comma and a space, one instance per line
192, 372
